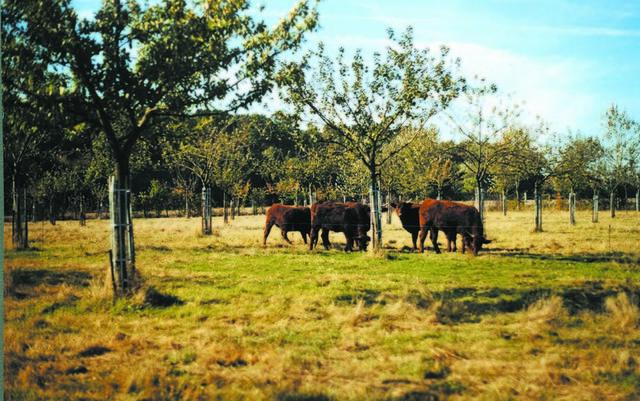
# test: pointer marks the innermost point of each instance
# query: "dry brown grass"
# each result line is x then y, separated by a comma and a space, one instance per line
538, 316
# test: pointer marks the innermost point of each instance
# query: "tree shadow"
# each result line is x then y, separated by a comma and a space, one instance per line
34, 277
600, 257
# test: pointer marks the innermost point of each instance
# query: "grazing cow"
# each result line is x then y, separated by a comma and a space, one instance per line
288, 218
351, 218
452, 218
410, 218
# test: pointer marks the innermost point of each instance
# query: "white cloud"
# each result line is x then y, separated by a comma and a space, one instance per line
550, 88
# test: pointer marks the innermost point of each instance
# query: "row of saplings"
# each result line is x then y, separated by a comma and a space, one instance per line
354, 220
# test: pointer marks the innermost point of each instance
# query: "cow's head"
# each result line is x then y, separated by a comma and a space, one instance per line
401, 207
363, 242
478, 241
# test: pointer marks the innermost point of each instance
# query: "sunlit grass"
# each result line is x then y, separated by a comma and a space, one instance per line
550, 315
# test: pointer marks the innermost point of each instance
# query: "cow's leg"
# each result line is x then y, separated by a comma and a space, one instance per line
304, 234
451, 241
349, 246
267, 230
325, 239
423, 236
284, 232
313, 238
434, 239
414, 238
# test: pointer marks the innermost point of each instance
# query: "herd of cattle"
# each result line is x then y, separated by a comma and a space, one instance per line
354, 220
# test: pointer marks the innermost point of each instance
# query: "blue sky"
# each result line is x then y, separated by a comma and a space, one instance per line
567, 60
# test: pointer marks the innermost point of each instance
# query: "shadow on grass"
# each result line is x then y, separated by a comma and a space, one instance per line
25, 279
303, 397
469, 304
618, 257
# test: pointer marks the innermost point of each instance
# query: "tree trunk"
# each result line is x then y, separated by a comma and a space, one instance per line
538, 208
638, 200
233, 208
612, 204
225, 212
52, 215
504, 203
389, 211
310, 196
207, 227
82, 215
594, 213
572, 208
518, 196
33, 211
122, 243
376, 215
20, 224
480, 195
439, 197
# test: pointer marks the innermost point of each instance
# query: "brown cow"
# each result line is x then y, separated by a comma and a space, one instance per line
452, 218
410, 218
288, 218
351, 218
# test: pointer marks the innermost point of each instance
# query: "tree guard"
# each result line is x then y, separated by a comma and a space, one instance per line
122, 246
206, 211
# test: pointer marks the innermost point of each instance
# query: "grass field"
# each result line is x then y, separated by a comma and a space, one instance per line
547, 316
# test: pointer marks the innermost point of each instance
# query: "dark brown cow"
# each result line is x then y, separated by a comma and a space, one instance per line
452, 218
410, 218
351, 218
288, 218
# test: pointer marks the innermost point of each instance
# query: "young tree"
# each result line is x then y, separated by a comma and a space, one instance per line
622, 147
578, 161
363, 108
133, 63
484, 141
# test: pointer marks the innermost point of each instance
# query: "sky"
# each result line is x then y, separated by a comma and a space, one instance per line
566, 61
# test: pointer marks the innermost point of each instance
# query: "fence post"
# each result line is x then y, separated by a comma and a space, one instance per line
594, 214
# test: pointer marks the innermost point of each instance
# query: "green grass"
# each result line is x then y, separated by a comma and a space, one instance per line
535, 316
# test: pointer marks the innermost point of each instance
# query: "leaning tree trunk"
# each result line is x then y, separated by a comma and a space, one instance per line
122, 243
594, 213
206, 211
538, 208
612, 204
376, 214
20, 224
